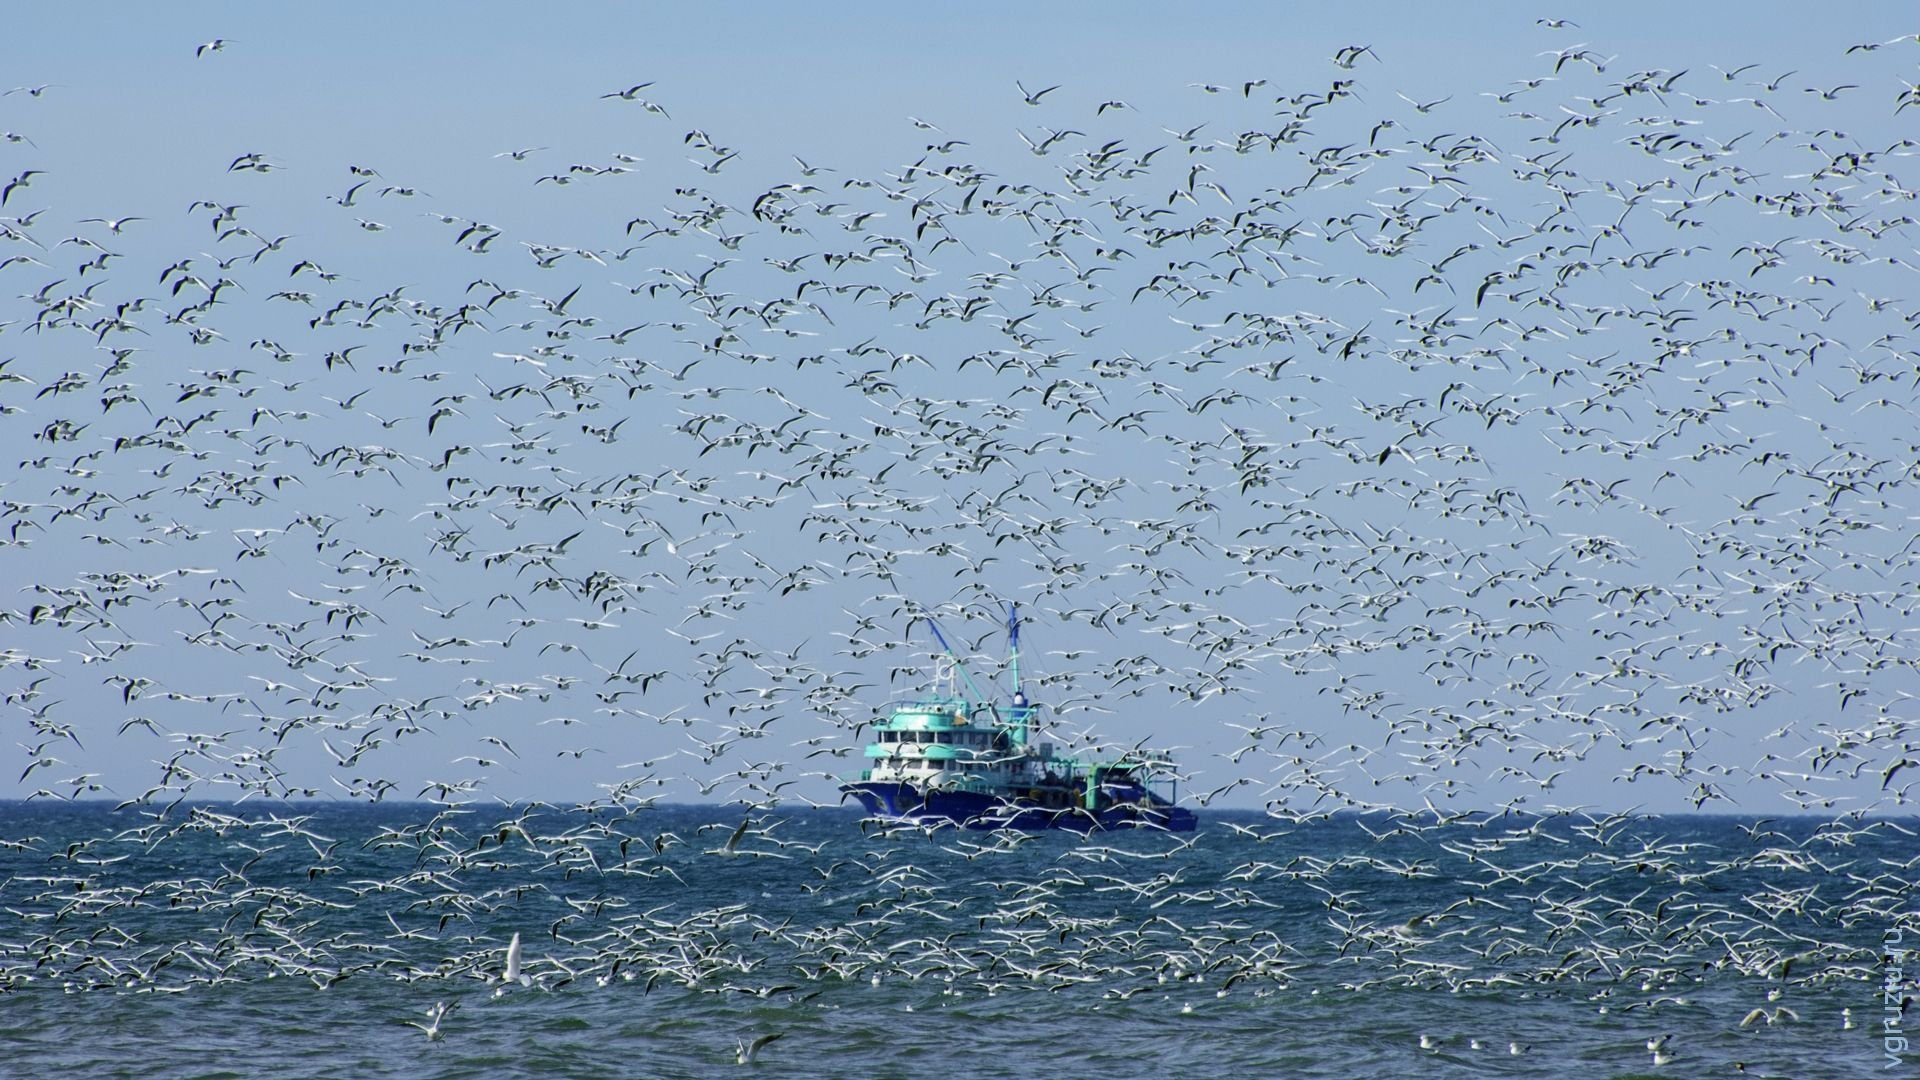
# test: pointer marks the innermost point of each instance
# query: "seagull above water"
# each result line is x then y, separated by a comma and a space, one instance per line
744, 1051
435, 1015
513, 974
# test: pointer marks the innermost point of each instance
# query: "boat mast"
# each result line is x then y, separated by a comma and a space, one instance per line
960, 666
1013, 644
1020, 713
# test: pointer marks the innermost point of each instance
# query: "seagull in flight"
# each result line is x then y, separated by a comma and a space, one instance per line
112, 224
1033, 97
20, 181
513, 974
1422, 106
435, 1015
744, 1051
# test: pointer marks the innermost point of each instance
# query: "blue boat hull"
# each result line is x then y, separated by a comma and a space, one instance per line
975, 810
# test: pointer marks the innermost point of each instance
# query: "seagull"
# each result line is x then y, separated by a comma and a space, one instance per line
20, 181
112, 224
1033, 96
513, 974
744, 1051
1422, 106
435, 1015
216, 45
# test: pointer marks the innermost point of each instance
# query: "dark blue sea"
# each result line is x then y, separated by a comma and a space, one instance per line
312, 940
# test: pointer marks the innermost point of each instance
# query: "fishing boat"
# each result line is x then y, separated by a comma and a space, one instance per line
955, 755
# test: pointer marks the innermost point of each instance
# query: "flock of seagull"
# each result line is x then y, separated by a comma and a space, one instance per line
1611, 915
1472, 458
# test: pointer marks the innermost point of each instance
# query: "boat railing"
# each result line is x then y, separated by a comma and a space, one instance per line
930, 701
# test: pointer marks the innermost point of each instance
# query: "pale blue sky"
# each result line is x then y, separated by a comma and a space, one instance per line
1396, 660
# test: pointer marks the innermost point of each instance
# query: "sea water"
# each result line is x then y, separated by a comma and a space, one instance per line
311, 940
